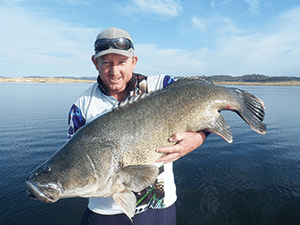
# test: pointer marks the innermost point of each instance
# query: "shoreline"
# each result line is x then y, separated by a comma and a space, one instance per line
70, 80
281, 83
44, 80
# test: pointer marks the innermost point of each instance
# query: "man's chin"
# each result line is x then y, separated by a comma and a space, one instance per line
117, 88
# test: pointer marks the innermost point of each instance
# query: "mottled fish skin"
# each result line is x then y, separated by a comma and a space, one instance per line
115, 154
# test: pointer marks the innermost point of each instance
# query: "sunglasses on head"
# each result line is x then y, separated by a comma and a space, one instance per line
118, 43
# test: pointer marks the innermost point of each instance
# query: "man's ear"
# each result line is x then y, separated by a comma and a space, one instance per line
134, 61
95, 61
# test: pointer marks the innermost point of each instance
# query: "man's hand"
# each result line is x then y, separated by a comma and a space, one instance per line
185, 143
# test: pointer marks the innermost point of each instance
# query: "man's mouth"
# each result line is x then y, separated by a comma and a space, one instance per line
115, 78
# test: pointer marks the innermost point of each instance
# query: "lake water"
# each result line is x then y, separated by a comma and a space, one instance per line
254, 180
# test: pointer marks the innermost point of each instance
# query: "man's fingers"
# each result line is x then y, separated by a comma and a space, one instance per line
185, 143
169, 149
169, 158
177, 137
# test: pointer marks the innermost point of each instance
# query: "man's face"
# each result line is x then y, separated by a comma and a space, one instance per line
115, 71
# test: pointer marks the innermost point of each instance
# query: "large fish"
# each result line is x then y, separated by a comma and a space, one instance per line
115, 154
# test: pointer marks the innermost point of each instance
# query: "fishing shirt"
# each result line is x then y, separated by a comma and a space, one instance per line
95, 102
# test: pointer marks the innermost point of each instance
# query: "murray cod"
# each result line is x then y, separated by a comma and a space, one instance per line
116, 153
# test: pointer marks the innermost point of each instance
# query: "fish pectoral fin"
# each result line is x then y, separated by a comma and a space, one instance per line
138, 177
222, 128
127, 201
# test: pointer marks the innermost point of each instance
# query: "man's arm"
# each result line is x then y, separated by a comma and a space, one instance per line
185, 143
75, 121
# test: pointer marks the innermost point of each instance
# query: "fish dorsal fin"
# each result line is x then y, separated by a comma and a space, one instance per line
127, 202
186, 81
193, 80
138, 177
131, 100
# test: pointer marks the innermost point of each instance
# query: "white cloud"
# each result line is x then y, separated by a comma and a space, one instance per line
76, 2
215, 25
274, 50
12, 1
215, 4
200, 23
160, 7
154, 60
254, 6
42, 44
37, 43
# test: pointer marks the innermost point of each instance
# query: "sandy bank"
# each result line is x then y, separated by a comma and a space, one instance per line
66, 80
44, 80
284, 83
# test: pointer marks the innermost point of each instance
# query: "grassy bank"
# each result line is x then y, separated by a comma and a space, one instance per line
67, 80
284, 83
44, 80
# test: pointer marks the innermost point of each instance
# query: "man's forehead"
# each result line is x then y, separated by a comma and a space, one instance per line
114, 56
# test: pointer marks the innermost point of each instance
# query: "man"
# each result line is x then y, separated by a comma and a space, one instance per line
115, 61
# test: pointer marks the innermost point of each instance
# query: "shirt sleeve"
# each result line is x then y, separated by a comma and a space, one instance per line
158, 82
167, 81
76, 120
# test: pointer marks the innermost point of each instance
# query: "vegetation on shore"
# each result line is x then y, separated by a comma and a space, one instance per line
45, 80
287, 83
254, 79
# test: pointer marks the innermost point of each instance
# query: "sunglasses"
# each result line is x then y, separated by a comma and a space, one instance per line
118, 43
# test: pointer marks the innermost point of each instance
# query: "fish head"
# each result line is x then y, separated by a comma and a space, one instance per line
42, 185
53, 181
72, 173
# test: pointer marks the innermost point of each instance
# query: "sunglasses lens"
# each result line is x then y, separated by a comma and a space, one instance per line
102, 44
122, 43
119, 43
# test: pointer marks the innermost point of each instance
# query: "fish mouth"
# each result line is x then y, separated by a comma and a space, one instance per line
47, 193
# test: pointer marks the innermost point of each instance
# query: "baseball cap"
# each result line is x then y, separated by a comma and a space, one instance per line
114, 33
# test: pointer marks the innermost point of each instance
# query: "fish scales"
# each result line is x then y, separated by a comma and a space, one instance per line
115, 154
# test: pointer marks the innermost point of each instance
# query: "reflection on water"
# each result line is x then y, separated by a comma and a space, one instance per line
254, 180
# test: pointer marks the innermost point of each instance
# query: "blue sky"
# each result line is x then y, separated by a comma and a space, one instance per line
191, 37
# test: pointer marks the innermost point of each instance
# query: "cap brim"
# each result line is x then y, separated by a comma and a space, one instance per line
128, 53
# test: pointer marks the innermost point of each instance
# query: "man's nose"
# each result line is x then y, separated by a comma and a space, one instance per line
114, 70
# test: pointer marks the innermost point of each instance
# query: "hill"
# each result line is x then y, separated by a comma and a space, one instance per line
253, 79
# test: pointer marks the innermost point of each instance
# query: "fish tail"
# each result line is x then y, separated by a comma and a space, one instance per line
252, 110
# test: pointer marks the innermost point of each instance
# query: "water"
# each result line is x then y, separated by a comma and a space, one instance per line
254, 180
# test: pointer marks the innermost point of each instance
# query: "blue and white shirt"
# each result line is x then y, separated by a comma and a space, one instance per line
95, 102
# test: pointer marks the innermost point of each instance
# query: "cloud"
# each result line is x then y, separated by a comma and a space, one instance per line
213, 4
272, 50
154, 60
74, 2
254, 6
160, 7
42, 43
215, 25
12, 1
200, 23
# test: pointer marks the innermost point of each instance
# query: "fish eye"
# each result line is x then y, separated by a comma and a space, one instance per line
47, 169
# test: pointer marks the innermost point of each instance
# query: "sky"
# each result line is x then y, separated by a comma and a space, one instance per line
180, 38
